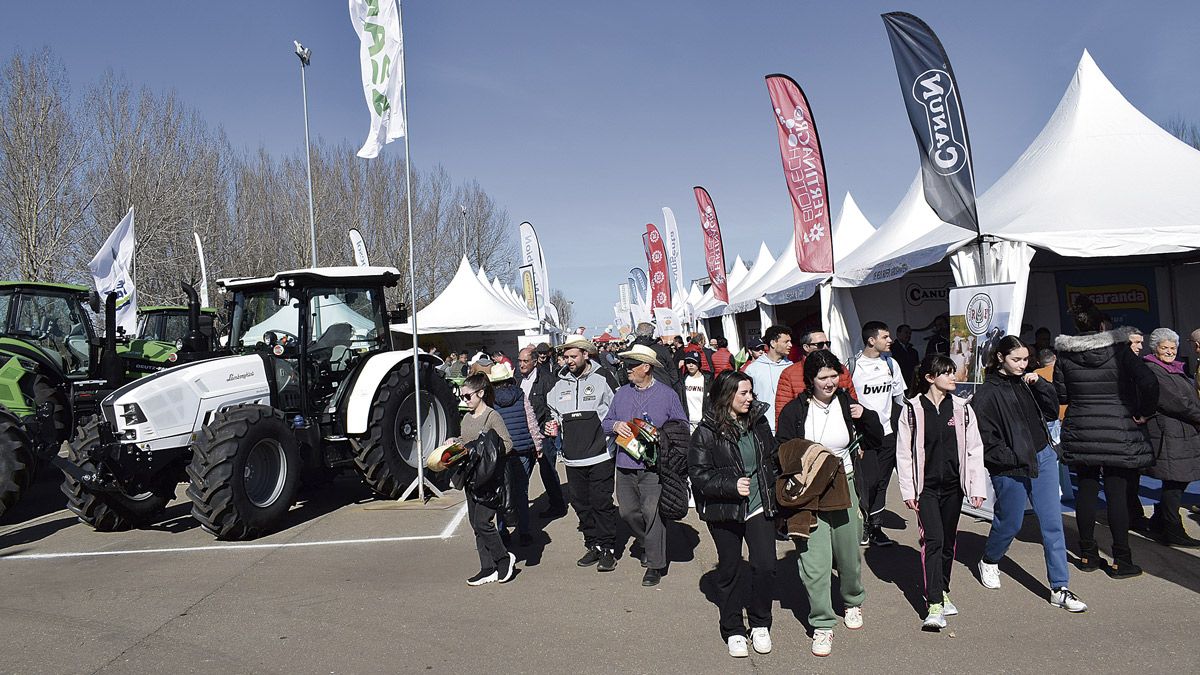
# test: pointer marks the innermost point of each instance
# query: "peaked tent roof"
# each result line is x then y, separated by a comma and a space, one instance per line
786, 283
468, 304
733, 279
911, 238
745, 297
1101, 179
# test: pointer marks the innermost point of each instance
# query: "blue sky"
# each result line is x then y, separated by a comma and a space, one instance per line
587, 118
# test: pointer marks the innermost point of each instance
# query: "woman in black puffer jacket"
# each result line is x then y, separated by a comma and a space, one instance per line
732, 463
1109, 393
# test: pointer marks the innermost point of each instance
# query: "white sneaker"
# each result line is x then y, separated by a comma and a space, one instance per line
737, 646
935, 620
761, 639
822, 642
948, 607
854, 619
989, 575
1064, 598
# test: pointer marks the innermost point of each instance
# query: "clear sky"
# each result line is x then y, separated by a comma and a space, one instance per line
587, 118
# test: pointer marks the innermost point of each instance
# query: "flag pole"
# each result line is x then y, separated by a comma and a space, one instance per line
412, 275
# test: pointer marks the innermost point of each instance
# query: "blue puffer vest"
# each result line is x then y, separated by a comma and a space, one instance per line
510, 403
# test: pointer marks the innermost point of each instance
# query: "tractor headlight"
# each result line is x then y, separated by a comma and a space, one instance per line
132, 414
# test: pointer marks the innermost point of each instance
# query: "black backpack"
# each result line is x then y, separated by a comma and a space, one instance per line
674, 437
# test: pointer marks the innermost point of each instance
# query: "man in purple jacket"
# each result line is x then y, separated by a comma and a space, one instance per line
637, 487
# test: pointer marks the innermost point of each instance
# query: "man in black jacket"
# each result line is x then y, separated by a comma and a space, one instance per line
536, 380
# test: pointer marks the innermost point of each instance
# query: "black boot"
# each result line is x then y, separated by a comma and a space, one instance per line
1089, 557
1123, 568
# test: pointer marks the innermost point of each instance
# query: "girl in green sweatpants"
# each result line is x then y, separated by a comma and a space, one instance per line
834, 541
826, 414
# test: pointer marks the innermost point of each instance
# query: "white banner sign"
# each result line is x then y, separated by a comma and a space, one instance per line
381, 55
978, 319
112, 270
360, 248
668, 323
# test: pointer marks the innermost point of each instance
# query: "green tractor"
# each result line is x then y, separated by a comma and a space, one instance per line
169, 323
55, 369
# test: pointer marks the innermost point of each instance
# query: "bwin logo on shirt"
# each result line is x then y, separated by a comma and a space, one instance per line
876, 389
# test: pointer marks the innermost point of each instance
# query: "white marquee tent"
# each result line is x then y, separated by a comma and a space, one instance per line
470, 304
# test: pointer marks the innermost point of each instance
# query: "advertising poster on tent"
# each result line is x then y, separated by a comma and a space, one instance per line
1126, 294
528, 287
667, 320
978, 319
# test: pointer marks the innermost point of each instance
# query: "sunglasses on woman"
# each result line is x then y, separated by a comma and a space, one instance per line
466, 398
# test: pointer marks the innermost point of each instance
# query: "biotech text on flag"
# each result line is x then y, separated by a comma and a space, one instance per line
931, 97
714, 249
112, 269
804, 171
381, 55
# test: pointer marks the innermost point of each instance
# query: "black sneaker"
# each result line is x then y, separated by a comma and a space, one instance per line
505, 568
590, 558
608, 561
651, 577
880, 538
553, 512
482, 577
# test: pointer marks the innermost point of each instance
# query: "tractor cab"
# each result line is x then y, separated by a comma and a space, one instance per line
48, 324
169, 323
318, 323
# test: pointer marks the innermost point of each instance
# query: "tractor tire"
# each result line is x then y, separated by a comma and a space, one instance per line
244, 472
386, 456
16, 464
107, 511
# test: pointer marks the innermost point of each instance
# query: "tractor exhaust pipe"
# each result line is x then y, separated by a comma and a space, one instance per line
110, 363
195, 340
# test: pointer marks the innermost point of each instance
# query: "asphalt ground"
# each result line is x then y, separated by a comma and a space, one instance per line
355, 585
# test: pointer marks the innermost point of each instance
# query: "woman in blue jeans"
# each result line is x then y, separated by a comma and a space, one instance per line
1013, 408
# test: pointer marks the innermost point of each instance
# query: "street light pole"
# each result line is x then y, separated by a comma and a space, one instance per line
305, 55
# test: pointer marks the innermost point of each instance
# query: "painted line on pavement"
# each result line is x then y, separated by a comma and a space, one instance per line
454, 522
220, 547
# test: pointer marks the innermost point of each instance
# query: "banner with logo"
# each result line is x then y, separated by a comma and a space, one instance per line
714, 249
381, 57
660, 273
112, 270
978, 319
666, 322
360, 248
531, 256
528, 287
641, 284
804, 171
931, 96
674, 251
1128, 295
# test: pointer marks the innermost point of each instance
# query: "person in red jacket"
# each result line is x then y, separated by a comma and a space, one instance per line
694, 347
791, 380
722, 360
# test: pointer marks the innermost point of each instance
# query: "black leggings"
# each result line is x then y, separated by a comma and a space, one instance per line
1117, 484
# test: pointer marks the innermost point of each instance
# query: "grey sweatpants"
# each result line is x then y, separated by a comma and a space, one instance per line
637, 500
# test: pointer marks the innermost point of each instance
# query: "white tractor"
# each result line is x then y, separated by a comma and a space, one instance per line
312, 384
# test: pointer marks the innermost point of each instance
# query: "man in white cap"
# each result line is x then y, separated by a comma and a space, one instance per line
578, 402
638, 489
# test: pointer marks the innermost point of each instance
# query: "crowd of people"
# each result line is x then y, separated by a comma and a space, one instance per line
805, 450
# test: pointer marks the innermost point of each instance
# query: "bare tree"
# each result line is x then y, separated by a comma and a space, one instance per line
566, 309
42, 158
1185, 130
157, 156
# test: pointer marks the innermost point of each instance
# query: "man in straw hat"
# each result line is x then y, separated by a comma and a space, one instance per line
578, 402
638, 489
